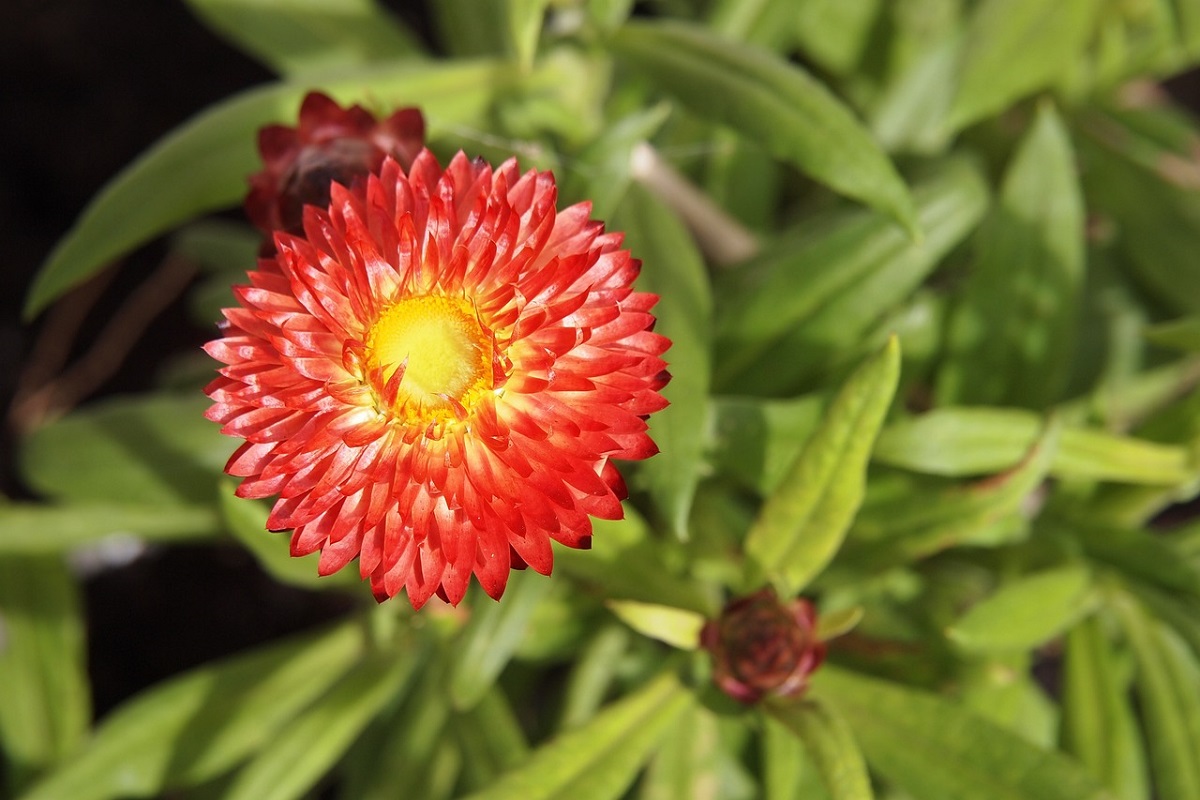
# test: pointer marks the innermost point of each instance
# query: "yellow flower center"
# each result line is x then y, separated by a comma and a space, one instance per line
444, 351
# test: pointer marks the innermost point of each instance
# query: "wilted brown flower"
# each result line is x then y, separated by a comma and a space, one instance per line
763, 646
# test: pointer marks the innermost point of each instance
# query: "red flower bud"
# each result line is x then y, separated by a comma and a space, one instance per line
763, 646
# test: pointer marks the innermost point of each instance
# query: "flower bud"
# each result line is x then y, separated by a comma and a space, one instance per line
762, 646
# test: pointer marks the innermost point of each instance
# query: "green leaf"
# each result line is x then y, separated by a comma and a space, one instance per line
687, 764
805, 306
150, 451
772, 102
787, 771
802, 524
314, 742
674, 626
592, 675
934, 749
1167, 683
524, 28
1016, 47
1182, 334
756, 441
246, 520
830, 745
1011, 338
198, 725
1098, 726
836, 33
490, 737
493, 635
603, 170
599, 760
672, 268
28, 529
45, 705
975, 441
1026, 612
296, 37
202, 165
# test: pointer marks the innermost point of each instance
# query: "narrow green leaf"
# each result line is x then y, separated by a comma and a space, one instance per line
202, 165
491, 739
672, 268
246, 520
1142, 555
599, 760
803, 522
1011, 338
1182, 334
687, 764
194, 727
470, 28
154, 450
1098, 726
29, 529
674, 626
830, 745
603, 170
836, 33
1026, 612
756, 440
974, 441
1167, 683
314, 742
787, 772
805, 307
45, 706
933, 749
608, 15
592, 674
493, 635
296, 37
524, 28
1016, 47
772, 102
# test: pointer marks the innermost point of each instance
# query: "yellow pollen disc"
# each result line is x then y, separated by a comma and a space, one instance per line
448, 354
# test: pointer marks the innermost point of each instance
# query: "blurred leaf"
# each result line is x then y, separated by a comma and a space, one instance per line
315, 741
832, 624
491, 738
674, 626
802, 524
592, 674
1098, 725
1012, 334
744, 180
608, 15
219, 246
673, 269
1142, 555
45, 704
913, 523
764, 23
150, 450
934, 749
202, 165
492, 636
836, 33
805, 306
1026, 612
771, 102
599, 760
29, 529
787, 773
603, 171
1167, 683
687, 764
524, 27
470, 28
1016, 47
295, 37
976, 441
756, 440
199, 724
830, 745
246, 520
912, 113
1182, 334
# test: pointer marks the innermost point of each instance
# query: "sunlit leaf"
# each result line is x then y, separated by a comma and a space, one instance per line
674, 626
203, 164
772, 102
936, 750
599, 760
1018, 310
1026, 612
45, 703
196, 726
303, 37
803, 522
672, 268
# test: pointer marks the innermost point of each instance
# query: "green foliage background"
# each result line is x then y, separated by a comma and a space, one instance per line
932, 271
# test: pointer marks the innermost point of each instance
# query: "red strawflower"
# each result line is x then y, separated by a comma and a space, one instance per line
763, 646
330, 144
436, 378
